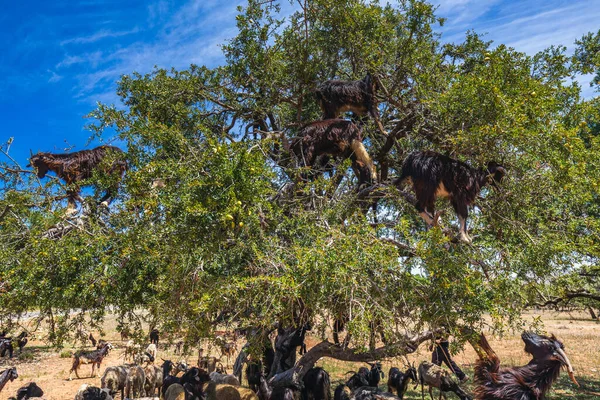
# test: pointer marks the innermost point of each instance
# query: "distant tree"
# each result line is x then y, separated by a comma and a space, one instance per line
215, 225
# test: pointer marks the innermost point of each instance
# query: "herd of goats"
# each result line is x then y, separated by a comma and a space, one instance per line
432, 176
142, 379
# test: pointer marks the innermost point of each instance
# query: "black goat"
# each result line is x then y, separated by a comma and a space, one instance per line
336, 96
435, 175
337, 138
31, 390
529, 382
286, 343
358, 379
154, 336
6, 346
317, 385
265, 392
79, 166
22, 341
398, 381
375, 374
168, 379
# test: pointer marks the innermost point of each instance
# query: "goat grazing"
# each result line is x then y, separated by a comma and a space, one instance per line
8, 375
435, 376
529, 382
435, 175
398, 381
29, 391
360, 97
338, 138
76, 167
114, 379
89, 357
87, 392
136, 378
317, 385
154, 379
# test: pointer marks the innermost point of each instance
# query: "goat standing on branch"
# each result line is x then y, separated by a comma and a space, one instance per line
360, 97
337, 138
434, 175
79, 166
529, 382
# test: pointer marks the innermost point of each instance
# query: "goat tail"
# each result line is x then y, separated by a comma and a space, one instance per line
363, 156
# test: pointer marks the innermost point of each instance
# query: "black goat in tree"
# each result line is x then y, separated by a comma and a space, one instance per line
360, 97
529, 382
434, 175
78, 166
337, 138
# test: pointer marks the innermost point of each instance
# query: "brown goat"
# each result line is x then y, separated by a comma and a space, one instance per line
360, 97
337, 138
89, 357
75, 167
529, 382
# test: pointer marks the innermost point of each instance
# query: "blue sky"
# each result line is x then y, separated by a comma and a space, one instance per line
58, 58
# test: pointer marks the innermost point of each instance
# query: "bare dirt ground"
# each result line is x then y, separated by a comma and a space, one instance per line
580, 335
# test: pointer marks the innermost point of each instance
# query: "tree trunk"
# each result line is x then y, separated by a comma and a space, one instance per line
592, 313
293, 376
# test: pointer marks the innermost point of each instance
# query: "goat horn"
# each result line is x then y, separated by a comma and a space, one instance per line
570, 370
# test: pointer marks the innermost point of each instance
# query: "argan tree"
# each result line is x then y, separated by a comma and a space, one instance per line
216, 227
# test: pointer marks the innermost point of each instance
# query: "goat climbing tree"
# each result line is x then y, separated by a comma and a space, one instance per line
214, 225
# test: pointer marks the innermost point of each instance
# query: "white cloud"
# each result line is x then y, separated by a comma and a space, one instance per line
102, 34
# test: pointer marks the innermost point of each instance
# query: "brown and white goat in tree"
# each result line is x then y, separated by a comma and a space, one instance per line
360, 97
76, 167
529, 382
89, 357
435, 175
8, 375
337, 138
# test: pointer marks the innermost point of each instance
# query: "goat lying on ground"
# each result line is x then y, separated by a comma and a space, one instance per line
335, 97
398, 381
337, 138
435, 376
529, 382
89, 357
88, 392
8, 375
114, 379
32, 390
76, 167
435, 175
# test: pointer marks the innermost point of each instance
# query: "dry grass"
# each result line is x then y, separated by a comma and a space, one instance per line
579, 334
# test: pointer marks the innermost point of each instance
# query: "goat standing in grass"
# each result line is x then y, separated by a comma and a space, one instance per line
435, 376
360, 97
434, 175
76, 167
529, 382
398, 381
89, 357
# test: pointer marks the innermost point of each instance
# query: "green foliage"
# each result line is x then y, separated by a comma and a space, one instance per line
212, 222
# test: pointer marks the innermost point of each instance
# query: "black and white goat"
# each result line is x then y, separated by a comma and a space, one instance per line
435, 175
32, 390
